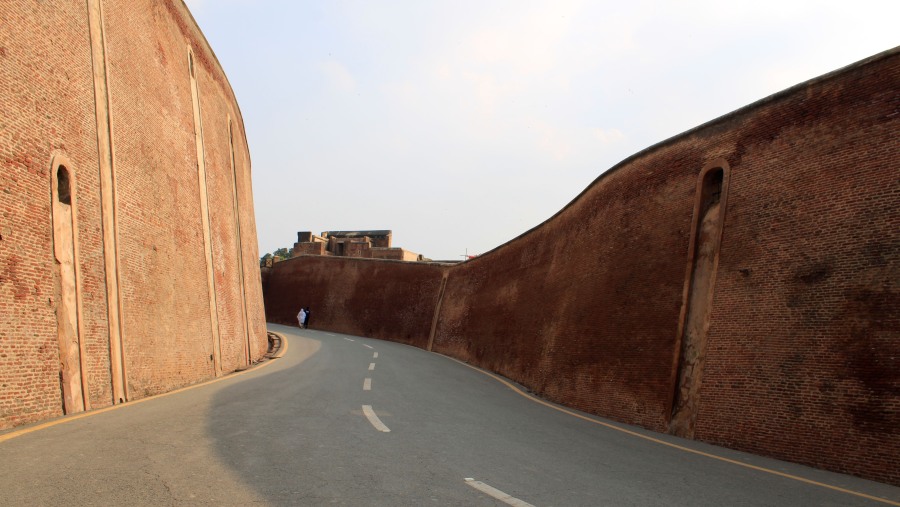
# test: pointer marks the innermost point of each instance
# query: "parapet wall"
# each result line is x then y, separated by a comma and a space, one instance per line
128, 257
737, 284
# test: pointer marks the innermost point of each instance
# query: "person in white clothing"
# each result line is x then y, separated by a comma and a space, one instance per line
301, 317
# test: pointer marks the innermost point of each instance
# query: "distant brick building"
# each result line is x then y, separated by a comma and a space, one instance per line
358, 244
128, 257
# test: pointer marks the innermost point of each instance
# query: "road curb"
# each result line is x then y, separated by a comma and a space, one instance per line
265, 361
277, 345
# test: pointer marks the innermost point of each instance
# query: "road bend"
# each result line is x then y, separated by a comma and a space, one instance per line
347, 420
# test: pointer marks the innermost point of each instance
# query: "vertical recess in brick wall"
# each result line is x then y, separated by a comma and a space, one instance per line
703, 259
204, 216
67, 289
238, 242
108, 201
437, 310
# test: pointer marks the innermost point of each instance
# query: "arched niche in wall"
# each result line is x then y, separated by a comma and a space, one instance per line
238, 244
703, 258
67, 287
216, 345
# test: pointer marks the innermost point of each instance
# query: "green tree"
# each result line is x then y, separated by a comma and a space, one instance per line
283, 253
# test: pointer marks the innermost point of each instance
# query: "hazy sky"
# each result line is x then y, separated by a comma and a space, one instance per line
461, 124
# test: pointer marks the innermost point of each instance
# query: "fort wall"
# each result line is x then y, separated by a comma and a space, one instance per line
105, 90
363, 297
736, 284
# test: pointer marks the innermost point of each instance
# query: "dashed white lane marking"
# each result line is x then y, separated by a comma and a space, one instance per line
368, 346
496, 493
375, 355
349, 340
371, 366
329, 334
376, 422
367, 384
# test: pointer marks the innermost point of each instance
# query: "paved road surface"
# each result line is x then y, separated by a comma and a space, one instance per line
296, 432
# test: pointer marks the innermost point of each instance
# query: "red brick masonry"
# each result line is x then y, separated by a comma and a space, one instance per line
47, 94
802, 355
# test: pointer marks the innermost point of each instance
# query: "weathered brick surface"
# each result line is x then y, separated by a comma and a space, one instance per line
47, 95
47, 100
803, 355
356, 296
583, 309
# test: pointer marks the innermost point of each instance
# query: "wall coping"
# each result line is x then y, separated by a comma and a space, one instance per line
237, 107
775, 97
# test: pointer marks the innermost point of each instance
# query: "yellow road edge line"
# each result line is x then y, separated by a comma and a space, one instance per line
81, 415
676, 446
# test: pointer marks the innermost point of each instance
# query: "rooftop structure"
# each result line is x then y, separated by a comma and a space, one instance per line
373, 244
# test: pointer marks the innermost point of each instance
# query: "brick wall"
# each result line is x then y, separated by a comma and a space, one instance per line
803, 349
356, 296
806, 319
588, 321
47, 94
47, 98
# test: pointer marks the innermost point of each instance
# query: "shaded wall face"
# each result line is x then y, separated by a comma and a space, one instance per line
803, 342
360, 297
590, 320
802, 359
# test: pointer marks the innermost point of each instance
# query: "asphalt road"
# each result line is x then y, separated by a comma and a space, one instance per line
296, 432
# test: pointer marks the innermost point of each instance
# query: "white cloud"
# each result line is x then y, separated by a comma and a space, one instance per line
553, 141
338, 76
608, 136
487, 90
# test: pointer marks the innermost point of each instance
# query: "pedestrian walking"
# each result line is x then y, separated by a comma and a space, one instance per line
301, 317
306, 318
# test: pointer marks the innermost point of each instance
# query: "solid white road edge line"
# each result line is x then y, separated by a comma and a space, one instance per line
367, 384
371, 366
376, 422
496, 493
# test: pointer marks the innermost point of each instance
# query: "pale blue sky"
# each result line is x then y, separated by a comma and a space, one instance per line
459, 125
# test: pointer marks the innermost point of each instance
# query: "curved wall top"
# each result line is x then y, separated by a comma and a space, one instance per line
721, 122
